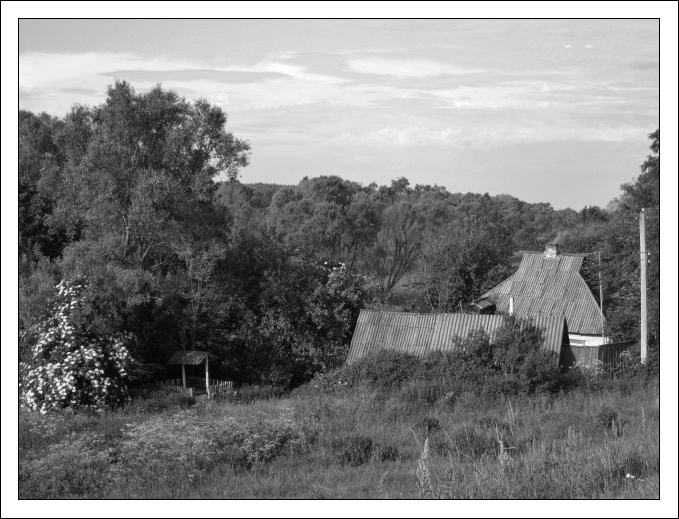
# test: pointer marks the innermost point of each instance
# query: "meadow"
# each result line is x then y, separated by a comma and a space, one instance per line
335, 440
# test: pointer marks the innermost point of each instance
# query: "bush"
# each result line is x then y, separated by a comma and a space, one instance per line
630, 366
440, 365
382, 369
330, 383
72, 365
425, 391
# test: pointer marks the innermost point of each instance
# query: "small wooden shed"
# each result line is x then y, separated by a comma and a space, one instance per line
193, 358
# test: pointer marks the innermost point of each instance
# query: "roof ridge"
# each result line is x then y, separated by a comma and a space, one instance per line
582, 254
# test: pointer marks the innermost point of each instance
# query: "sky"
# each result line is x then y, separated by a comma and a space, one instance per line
552, 111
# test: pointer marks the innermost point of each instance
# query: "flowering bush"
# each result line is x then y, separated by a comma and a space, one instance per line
73, 366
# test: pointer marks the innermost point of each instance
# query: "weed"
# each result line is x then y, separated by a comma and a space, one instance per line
606, 418
429, 424
353, 450
470, 443
382, 452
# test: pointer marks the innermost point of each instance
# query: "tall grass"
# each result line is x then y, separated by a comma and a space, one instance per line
353, 443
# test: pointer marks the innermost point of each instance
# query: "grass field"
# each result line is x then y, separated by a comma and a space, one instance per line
357, 443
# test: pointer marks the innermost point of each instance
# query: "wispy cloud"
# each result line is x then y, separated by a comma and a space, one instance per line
405, 68
409, 136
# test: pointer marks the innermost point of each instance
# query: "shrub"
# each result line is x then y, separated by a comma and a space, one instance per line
382, 368
440, 365
330, 383
352, 450
72, 365
382, 452
425, 391
630, 366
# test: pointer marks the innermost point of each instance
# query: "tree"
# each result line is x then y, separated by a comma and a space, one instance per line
39, 156
327, 218
137, 182
455, 268
398, 243
204, 301
621, 252
148, 168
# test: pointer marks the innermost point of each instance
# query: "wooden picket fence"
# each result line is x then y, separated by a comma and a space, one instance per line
193, 383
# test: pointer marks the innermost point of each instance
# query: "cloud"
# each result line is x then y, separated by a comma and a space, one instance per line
411, 136
405, 68
78, 90
219, 76
263, 84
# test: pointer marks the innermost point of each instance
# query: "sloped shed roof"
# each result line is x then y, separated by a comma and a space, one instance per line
418, 334
190, 357
550, 286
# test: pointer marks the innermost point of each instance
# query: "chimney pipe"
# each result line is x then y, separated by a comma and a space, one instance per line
511, 305
551, 250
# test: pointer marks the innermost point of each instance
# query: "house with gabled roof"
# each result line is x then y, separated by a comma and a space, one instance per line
550, 283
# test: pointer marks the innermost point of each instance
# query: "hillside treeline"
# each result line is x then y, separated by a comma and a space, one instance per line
124, 199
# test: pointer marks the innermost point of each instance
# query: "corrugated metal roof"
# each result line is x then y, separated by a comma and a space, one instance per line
190, 357
550, 286
419, 334
483, 303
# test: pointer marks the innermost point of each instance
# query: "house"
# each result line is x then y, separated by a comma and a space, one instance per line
550, 284
419, 334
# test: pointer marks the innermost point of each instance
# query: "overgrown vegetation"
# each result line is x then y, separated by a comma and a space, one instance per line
368, 441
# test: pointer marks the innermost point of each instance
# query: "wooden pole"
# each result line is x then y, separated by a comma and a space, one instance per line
642, 260
183, 377
207, 378
601, 302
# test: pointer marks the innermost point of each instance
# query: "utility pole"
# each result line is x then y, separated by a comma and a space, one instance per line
643, 256
601, 303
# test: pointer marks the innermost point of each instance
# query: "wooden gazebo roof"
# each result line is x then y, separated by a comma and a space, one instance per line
191, 357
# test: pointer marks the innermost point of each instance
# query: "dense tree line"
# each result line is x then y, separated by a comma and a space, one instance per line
123, 196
